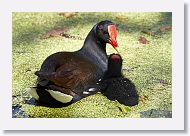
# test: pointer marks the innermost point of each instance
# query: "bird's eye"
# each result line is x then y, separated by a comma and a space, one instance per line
100, 27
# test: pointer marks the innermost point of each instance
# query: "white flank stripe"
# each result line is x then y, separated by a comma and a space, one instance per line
92, 89
61, 97
86, 92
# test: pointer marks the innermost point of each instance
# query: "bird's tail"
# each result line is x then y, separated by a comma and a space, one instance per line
33, 93
43, 74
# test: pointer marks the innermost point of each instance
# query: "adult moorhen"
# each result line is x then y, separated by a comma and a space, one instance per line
64, 76
115, 86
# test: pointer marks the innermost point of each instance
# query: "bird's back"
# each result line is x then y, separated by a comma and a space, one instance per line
69, 70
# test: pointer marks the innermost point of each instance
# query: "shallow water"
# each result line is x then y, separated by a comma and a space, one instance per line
18, 113
156, 113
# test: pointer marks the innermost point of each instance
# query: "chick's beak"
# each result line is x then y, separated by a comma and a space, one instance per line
116, 50
113, 35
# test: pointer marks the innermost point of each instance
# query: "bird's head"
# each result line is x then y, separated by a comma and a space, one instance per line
115, 65
106, 32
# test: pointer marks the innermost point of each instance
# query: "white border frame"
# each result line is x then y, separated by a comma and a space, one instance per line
174, 123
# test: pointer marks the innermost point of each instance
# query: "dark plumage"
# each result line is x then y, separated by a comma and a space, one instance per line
115, 86
64, 76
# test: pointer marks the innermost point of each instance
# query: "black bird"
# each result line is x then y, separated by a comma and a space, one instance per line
115, 86
64, 76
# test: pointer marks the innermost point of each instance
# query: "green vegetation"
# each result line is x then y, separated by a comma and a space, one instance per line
149, 66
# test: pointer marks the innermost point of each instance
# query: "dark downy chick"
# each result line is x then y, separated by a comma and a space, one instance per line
115, 86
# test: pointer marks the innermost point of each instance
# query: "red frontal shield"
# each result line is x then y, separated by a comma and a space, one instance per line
113, 35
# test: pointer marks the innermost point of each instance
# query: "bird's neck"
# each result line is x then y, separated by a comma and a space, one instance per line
92, 42
95, 50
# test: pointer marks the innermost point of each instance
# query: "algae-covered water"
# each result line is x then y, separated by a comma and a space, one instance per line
147, 64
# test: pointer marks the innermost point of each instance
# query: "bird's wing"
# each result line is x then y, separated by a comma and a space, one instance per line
66, 78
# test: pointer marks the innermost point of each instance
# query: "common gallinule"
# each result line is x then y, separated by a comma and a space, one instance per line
64, 76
